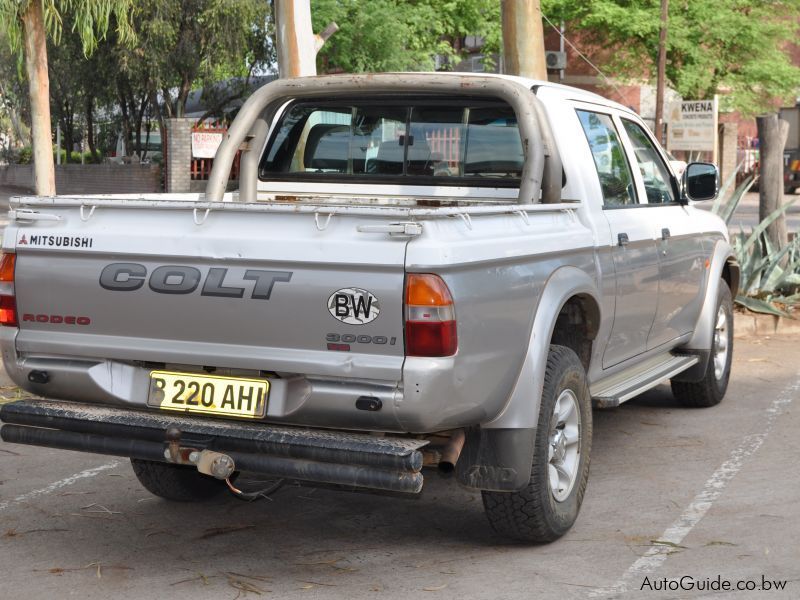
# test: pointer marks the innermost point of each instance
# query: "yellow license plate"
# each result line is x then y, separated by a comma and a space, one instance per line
208, 394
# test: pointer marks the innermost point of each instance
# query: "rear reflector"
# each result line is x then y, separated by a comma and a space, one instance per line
8, 303
8, 311
430, 317
7, 262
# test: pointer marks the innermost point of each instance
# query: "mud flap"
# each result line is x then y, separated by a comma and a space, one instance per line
497, 459
697, 371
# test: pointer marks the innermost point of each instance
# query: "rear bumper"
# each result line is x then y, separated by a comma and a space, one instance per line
321, 456
432, 396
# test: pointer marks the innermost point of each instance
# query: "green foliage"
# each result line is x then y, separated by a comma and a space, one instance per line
182, 43
735, 46
402, 35
769, 275
14, 103
75, 157
725, 210
25, 156
90, 20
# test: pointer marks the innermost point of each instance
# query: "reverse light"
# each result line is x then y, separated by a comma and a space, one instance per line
8, 302
430, 317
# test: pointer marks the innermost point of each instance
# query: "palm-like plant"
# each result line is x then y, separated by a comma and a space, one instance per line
770, 277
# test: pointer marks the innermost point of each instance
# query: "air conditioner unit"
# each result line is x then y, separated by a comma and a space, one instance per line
556, 60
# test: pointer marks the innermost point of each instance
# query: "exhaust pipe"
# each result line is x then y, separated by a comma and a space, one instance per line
451, 452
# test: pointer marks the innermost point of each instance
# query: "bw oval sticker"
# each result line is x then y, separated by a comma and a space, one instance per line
354, 306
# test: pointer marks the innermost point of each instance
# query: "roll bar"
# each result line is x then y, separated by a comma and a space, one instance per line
249, 129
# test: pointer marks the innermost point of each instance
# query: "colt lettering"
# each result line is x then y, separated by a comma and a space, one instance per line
183, 279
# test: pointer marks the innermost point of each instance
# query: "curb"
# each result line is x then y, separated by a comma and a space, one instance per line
747, 324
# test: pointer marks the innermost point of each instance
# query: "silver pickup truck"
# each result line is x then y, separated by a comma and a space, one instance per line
416, 270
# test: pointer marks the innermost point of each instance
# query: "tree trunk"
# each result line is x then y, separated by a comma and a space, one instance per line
138, 124
126, 120
523, 39
169, 109
90, 127
68, 130
44, 176
156, 108
772, 134
146, 139
183, 96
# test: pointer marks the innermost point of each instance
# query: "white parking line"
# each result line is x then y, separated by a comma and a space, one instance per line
713, 488
59, 484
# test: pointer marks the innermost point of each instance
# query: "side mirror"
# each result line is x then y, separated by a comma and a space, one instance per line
700, 182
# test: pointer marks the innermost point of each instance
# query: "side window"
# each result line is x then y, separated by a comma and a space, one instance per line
615, 176
657, 180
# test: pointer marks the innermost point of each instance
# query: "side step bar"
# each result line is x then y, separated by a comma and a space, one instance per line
322, 456
623, 386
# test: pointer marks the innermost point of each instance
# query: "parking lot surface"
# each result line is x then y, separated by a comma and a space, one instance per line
674, 493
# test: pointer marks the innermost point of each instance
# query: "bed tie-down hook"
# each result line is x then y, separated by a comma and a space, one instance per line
523, 215
570, 212
85, 217
466, 218
200, 220
324, 225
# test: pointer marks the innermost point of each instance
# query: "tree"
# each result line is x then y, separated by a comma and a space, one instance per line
735, 47
14, 106
79, 83
183, 43
402, 35
27, 24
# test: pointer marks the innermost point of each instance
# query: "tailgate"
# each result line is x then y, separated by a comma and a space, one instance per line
281, 292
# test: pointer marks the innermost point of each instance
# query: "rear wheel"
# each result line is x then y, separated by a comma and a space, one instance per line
176, 482
710, 390
548, 506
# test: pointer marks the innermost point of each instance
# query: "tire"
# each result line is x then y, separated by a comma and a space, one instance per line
710, 390
176, 482
539, 513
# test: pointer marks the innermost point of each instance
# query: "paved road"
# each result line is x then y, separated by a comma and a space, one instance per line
746, 215
673, 492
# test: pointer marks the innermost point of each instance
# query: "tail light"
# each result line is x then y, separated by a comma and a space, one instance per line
8, 302
430, 317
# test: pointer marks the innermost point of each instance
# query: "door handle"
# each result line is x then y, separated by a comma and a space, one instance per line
665, 234
622, 238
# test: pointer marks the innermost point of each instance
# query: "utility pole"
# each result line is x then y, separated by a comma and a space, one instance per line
523, 39
297, 44
662, 68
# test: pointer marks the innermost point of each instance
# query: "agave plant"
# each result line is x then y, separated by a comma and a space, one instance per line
769, 275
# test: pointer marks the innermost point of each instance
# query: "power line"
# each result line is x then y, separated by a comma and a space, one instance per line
585, 58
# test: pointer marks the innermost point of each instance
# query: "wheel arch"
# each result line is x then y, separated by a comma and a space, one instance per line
569, 292
723, 267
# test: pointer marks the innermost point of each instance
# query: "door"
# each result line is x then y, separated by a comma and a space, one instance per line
633, 248
681, 255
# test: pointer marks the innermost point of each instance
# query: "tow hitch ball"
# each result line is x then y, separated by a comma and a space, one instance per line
207, 462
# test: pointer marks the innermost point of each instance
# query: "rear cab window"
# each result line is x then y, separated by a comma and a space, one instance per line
420, 141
